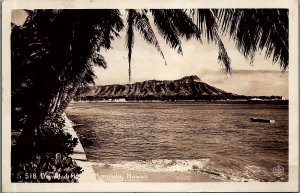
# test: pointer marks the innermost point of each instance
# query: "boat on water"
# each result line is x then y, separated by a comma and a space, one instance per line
261, 120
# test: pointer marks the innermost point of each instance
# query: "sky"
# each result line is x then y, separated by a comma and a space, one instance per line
260, 78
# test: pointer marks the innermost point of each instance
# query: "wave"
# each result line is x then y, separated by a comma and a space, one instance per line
161, 165
203, 166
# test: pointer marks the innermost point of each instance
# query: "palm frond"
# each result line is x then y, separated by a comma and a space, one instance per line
108, 24
223, 55
206, 21
183, 23
167, 29
130, 37
98, 60
258, 29
142, 25
88, 78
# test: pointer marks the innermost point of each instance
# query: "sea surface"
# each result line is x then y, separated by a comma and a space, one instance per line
215, 138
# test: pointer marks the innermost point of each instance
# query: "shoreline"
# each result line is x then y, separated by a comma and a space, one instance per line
79, 155
186, 101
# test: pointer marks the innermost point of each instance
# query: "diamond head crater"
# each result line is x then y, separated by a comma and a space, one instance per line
188, 88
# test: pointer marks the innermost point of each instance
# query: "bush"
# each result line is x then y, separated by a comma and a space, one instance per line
51, 137
46, 168
48, 137
46, 158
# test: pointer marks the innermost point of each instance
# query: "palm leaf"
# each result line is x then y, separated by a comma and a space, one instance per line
108, 23
88, 78
130, 37
142, 25
223, 55
183, 23
98, 60
167, 29
207, 24
258, 29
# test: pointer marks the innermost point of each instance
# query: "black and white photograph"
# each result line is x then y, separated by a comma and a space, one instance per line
150, 97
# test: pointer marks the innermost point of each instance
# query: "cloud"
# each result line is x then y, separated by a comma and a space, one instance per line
249, 82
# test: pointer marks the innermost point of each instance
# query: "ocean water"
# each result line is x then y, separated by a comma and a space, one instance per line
216, 138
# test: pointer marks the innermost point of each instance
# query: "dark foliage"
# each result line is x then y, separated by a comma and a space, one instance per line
257, 29
49, 137
48, 167
52, 52
46, 159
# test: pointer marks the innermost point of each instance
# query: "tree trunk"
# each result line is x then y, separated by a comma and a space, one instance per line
66, 94
53, 103
65, 98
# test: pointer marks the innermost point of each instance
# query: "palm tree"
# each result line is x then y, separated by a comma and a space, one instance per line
171, 24
54, 51
254, 30
63, 46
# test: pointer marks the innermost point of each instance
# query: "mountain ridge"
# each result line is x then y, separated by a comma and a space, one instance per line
186, 88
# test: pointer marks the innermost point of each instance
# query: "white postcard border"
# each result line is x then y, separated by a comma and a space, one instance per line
291, 185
